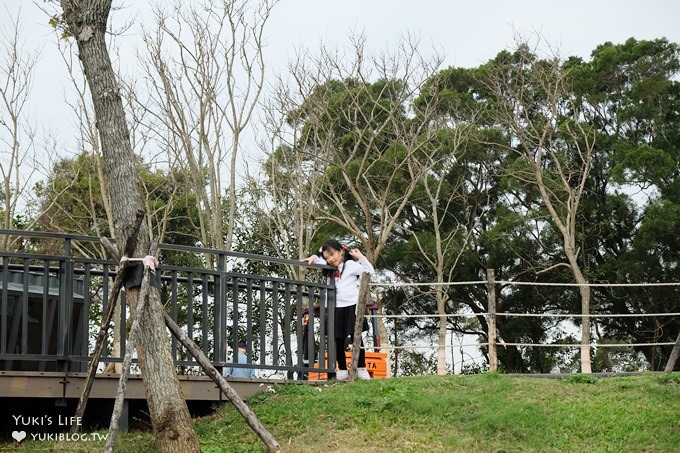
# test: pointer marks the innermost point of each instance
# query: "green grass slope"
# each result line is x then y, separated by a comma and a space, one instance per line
487, 412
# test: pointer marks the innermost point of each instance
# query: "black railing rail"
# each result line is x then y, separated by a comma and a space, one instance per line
51, 305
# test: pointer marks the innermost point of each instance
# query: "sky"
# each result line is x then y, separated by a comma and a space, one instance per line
472, 32
466, 33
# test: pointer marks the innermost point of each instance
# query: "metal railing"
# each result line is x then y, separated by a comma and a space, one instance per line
51, 305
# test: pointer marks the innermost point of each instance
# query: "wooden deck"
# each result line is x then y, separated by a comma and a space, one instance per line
41, 384
30, 395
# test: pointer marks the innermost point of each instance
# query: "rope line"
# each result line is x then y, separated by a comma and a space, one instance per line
534, 315
455, 315
513, 283
596, 315
577, 345
433, 346
399, 284
550, 345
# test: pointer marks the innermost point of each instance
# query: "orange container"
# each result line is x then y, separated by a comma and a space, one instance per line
376, 365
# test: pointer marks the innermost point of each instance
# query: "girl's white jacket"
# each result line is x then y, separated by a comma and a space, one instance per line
347, 285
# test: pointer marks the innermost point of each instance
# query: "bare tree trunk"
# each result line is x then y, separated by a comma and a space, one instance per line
444, 256
491, 309
441, 297
170, 416
86, 21
584, 290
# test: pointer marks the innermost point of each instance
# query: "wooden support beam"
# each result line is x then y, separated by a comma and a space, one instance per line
106, 317
222, 383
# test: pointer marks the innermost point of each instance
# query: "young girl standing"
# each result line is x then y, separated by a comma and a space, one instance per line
350, 263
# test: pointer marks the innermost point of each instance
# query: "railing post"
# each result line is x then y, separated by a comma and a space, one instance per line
4, 302
275, 323
491, 298
287, 322
65, 306
330, 313
219, 327
263, 319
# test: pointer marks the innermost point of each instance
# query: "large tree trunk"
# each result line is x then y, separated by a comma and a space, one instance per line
86, 21
584, 290
440, 295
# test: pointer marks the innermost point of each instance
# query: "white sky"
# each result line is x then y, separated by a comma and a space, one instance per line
472, 32
468, 33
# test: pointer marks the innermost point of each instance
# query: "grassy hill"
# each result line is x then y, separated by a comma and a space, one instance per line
488, 412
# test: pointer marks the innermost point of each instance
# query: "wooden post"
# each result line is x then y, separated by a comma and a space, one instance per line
377, 338
491, 298
99, 345
127, 361
674, 356
106, 319
359, 322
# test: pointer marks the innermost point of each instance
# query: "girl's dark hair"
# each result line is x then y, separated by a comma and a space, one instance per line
334, 244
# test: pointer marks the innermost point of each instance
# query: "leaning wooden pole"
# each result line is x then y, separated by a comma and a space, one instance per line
98, 347
106, 319
675, 353
222, 383
359, 322
127, 362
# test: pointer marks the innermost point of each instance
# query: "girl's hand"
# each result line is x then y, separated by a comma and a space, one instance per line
356, 254
310, 260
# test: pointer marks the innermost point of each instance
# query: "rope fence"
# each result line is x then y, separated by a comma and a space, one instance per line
491, 315
516, 283
530, 315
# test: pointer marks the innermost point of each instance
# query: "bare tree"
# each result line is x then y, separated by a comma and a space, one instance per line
16, 136
282, 193
356, 130
205, 65
547, 129
445, 189
86, 21
348, 147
